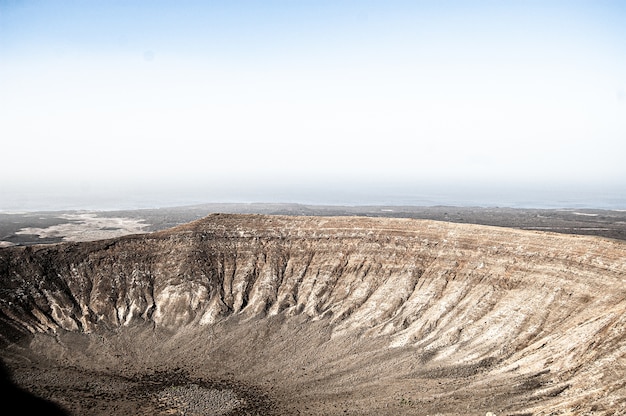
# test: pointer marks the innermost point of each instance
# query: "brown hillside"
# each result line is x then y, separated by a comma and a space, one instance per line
320, 315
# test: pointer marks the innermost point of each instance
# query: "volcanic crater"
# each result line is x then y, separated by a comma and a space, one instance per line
262, 314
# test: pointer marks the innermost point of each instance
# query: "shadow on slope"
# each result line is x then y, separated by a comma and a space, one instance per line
20, 402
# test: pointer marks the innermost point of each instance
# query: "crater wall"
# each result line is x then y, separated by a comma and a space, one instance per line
344, 311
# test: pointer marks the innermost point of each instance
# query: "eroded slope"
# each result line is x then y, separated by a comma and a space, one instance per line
337, 314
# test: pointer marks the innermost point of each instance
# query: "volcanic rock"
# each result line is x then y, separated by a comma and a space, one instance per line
320, 315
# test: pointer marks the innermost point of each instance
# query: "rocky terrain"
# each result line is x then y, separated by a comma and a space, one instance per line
260, 314
45, 227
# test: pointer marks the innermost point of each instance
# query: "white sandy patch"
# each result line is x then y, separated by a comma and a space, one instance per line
586, 214
6, 244
88, 227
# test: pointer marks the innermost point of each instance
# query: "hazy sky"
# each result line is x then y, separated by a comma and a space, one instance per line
253, 95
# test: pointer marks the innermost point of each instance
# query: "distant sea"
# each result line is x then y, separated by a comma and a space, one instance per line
111, 199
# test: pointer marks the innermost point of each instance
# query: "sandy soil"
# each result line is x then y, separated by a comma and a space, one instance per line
87, 227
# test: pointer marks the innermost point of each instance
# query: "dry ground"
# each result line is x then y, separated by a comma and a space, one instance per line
320, 315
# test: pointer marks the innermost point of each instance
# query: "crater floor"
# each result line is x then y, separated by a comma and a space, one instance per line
261, 314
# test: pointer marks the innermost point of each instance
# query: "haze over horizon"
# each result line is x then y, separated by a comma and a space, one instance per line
136, 104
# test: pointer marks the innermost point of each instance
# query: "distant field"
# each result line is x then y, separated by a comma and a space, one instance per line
55, 226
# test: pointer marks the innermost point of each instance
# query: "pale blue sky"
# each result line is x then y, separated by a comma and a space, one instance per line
306, 94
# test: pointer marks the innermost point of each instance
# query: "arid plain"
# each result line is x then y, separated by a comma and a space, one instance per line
452, 311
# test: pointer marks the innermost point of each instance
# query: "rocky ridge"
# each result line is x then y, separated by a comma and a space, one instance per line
333, 315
